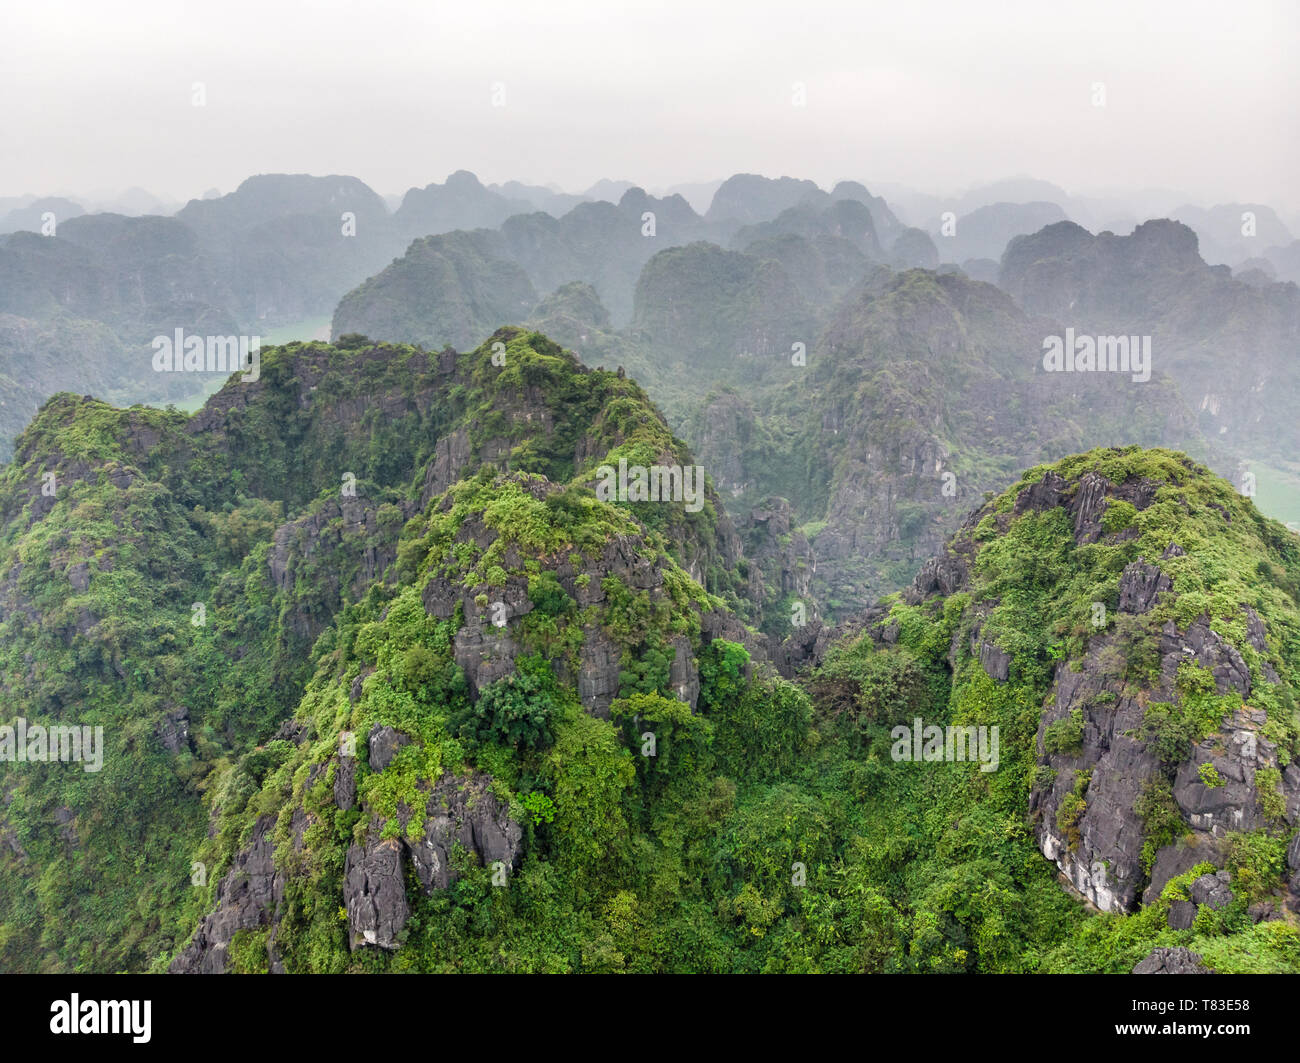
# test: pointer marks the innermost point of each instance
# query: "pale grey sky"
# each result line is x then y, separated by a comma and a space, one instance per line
1200, 97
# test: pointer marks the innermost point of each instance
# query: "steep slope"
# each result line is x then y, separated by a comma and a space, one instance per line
922, 392
448, 290
166, 577
288, 245
386, 685
492, 824
716, 310
1132, 627
1229, 346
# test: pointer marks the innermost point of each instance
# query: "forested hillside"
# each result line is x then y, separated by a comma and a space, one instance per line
390, 681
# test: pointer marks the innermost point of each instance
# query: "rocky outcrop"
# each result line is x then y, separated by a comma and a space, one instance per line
781, 565
944, 574
173, 729
995, 661
452, 457
684, 673
1041, 496
460, 812
488, 642
1172, 961
1211, 890
464, 812
374, 891
1138, 586
1293, 869
345, 783
1098, 846
248, 898
339, 549
1236, 753
1089, 506
384, 743
597, 677
719, 438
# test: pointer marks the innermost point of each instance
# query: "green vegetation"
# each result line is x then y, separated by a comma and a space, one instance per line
770, 829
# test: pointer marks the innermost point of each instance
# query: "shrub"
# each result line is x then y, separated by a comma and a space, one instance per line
1065, 736
516, 710
1258, 863
1268, 786
1161, 821
1118, 516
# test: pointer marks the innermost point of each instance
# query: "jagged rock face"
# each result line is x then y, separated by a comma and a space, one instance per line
345, 783
721, 436
451, 458
460, 811
1087, 793
1099, 850
486, 652
318, 549
1171, 961
384, 744
1293, 866
374, 891
683, 675
597, 678
944, 575
1213, 891
995, 661
1104, 861
465, 812
781, 566
1139, 585
1237, 752
247, 899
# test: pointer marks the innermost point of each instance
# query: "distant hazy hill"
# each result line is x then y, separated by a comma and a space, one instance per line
1229, 347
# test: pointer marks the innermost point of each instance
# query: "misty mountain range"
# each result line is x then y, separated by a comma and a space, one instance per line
391, 534
717, 314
